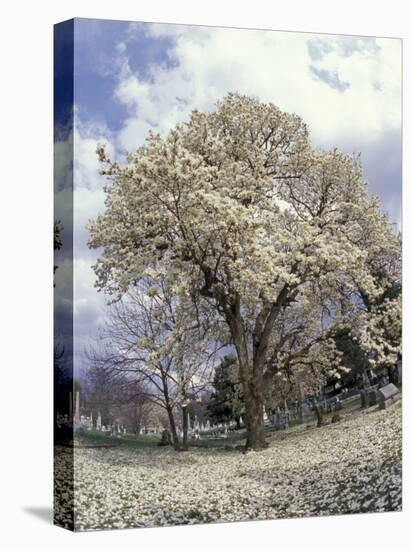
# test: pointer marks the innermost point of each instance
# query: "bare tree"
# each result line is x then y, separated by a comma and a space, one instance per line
156, 340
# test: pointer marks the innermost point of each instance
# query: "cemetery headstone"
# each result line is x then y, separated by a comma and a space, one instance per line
77, 408
388, 395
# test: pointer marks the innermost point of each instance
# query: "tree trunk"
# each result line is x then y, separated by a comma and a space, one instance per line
136, 420
185, 419
300, 413
254, 420
252, 365
318, 413
172, 423
252, 382
392, 372
251, 379
169, 410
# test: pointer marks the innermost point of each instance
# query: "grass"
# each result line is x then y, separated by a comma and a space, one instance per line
94, 438
129, 440
207, 440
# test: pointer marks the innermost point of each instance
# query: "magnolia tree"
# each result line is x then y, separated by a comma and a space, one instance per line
235, 207
380, 333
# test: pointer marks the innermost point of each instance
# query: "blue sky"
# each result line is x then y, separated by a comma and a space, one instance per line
130, 77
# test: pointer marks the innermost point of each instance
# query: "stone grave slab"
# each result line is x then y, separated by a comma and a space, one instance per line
387, 395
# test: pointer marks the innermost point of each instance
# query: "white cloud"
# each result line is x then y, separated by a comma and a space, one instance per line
88, 195
88, 307
86, 164
274, 66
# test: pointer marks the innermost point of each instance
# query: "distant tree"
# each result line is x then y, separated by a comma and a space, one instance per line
113, 394
226, 402
353, 355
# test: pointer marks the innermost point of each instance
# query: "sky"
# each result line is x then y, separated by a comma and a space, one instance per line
133, 77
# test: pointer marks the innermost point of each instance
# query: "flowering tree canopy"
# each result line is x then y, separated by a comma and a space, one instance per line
237, 208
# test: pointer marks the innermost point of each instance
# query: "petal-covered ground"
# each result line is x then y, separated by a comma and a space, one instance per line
348, 467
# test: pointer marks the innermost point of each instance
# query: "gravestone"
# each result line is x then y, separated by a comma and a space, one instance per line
388, 395
99, 422
196, 424
77, 408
